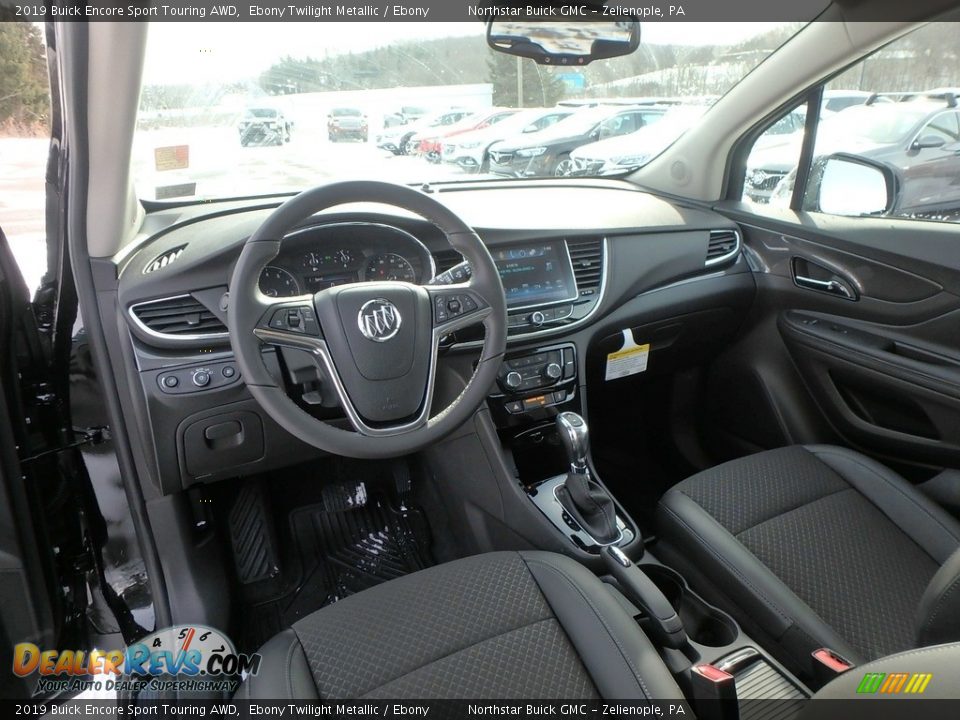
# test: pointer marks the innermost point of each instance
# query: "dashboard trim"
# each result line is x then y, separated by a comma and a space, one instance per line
167, 337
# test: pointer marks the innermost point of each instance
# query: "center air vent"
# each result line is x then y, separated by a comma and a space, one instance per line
722, 247
164, 259
586, 254
180, 317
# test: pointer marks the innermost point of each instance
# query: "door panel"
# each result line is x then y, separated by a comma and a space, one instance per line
873, 339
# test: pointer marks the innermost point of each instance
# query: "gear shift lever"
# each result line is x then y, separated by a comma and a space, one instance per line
585, 500
576, 440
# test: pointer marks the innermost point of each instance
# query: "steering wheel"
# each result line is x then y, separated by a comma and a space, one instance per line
376, 342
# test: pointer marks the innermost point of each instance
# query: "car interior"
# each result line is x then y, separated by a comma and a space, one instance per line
576, 438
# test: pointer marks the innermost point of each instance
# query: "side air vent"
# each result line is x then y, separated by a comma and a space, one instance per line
446, 259
722, 246
587, 258
164, 259
178, 317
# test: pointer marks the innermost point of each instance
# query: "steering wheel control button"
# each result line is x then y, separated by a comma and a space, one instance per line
201, 378
298, 319
447, 307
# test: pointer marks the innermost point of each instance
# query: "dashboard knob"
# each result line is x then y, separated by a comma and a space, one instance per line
553, 371
513, 379
537, 318
202, 378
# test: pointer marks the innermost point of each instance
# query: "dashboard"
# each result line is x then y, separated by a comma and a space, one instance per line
580, 263
321, 257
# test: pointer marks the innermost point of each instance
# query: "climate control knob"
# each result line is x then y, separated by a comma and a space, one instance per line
553, 371
513, 379
537, 318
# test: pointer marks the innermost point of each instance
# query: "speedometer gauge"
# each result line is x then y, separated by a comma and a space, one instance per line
277, 282
389, 266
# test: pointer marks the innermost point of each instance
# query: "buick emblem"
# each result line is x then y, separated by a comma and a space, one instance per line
379, 320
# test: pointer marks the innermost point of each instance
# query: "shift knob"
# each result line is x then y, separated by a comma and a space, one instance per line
575, 438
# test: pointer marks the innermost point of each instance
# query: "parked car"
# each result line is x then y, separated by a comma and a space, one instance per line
837, 100
398, 139
346, 122
918, 137
264, 126
617, 155
547, 152
470, 150
404, 116
429, 144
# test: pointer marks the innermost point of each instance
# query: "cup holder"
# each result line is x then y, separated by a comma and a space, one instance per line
704, 624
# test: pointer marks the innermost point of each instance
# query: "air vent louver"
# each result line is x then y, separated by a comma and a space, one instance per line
178, 317
164, 259
587, 258
722, 246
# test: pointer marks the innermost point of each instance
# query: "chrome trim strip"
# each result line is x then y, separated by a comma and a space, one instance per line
318, 348
167, 337
730, 255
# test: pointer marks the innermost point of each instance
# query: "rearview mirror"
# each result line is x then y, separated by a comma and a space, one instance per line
854, 186
552, 42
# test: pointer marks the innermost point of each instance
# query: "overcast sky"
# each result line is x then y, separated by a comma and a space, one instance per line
200, 52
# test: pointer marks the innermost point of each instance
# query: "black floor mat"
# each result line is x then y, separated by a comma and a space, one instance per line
355, 537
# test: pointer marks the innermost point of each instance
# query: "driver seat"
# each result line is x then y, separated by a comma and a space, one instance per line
498, 625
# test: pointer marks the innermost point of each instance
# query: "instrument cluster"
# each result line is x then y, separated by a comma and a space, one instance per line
325, 256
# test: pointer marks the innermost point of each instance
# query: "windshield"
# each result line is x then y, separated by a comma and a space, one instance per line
403, 102
883, 124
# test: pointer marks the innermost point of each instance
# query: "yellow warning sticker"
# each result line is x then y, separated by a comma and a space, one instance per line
631, 359
174, 157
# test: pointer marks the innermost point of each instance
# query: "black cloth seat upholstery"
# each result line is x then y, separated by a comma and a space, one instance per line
499, 625
818, 546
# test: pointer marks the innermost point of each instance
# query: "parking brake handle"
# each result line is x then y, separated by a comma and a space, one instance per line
665, 624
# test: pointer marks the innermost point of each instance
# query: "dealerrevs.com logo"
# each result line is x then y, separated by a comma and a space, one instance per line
188, 658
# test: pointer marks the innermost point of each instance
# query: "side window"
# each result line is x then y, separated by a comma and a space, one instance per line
886, 150
944, 128
24, 144
775, 153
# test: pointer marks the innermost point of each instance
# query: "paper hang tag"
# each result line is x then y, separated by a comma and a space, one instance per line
631, 359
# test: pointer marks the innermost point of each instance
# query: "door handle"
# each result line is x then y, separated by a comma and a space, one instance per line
832, 286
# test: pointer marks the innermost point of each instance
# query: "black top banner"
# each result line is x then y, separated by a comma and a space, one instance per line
466, 11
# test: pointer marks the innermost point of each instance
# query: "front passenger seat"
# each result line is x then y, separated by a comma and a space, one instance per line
818, 546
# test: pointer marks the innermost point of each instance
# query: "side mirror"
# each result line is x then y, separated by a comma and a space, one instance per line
854, 186
578, 42
928, 141
529, 129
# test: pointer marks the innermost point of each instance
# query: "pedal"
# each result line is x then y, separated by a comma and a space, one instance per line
341, 496
254, 549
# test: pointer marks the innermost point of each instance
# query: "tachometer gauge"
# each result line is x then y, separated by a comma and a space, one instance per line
277, 282
389, 266
339, 259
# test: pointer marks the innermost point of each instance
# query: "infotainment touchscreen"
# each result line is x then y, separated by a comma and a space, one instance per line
536, 274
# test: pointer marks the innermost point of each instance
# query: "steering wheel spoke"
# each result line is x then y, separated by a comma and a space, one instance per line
290, 322
456, 307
